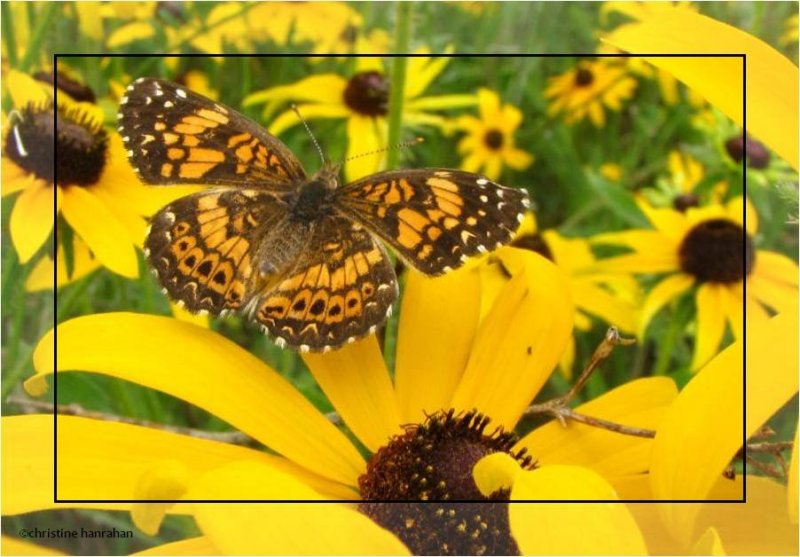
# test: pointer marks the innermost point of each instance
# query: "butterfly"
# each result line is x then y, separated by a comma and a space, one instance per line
301, 255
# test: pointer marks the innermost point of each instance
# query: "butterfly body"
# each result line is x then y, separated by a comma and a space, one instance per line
299, 255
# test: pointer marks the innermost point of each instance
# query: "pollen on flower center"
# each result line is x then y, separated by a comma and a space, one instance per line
80, 143
368, 93
717, 250
583, 77
533, 242
493, 139
433, 462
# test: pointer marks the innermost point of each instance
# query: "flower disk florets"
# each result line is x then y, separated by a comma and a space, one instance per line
37, 133
717, 250
368, 93
413, 479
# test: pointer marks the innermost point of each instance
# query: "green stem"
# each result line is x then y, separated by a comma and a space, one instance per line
666, 347
42, 30
8, 31
398, 80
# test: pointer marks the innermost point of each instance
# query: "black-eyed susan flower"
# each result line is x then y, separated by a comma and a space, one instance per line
92, 185
711, 248
363, 100
588, 89
457, 380
702, 433
489, 143
613, 298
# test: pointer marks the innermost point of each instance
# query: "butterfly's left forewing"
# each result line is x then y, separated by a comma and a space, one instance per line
175, 136
435, 218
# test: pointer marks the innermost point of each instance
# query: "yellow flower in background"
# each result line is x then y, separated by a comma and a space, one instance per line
613, 298
611, 171
705, 425
489, 143
790, 30
679, 189
710, 247
587, 90
96, 191
363, 100
447, 358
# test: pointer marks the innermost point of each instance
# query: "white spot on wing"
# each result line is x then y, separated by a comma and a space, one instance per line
168, 104
482, 181
181, 93
304, 348
280, 342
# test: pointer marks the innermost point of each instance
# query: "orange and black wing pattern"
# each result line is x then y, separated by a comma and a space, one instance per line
201, 247
435, 219
341, 288
175, 136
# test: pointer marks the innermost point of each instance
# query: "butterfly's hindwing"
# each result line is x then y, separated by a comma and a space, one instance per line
435, 218
340, 289
175, 136
201, 246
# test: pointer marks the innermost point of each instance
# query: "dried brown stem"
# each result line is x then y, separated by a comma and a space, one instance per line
232, 437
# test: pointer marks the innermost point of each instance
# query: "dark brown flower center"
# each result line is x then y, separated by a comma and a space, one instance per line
433, 462
583, 77
171, 11
757, 153
684, 201
349, 34
533, 242
37, 134
717, 250
493, 139
70, 86
368, 93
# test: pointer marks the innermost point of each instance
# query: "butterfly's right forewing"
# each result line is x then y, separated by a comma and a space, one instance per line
175, 136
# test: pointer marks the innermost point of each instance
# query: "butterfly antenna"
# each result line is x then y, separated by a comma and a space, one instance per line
308, 129
402, 144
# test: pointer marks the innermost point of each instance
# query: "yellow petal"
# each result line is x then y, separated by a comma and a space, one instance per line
106, 460
703, 428
363, 136
520, 341
710, 323
772, 79
325, 89
776, 267
708, 544
209, 371
761, 526
356, 381
571, 528
105, 235
422, 71
167, 479
16, 546
239, 529
738, 207
668, 289
130, 32
495, 472
287, 119
32, 218
641, 403
428, 368
600, 303
669, 222
25, 90
441, 102
191, 546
